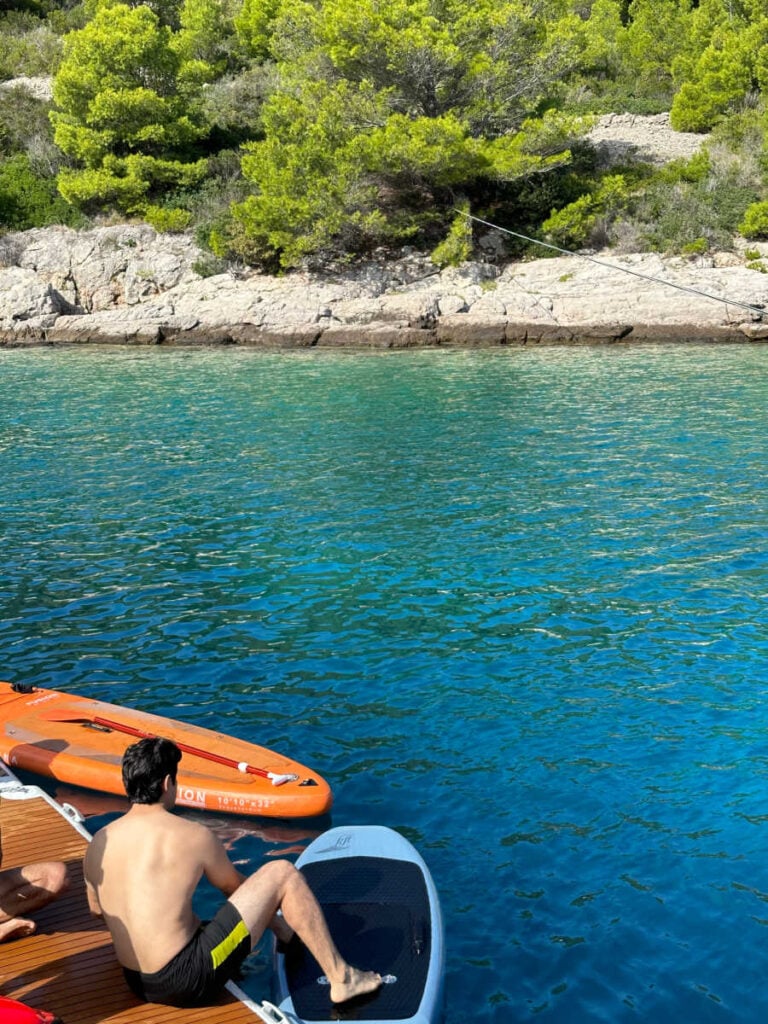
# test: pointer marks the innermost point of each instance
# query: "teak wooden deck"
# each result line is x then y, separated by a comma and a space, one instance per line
68, 966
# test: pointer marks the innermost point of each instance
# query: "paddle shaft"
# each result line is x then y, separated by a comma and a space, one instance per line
230, 762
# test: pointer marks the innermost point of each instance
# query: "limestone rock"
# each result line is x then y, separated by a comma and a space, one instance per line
105, 267
24, 296
470, 332
449, 304
130, 285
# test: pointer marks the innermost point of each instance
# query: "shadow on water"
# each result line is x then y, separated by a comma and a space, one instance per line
284, 836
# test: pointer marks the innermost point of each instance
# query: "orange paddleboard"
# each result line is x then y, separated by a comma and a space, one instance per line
82, 741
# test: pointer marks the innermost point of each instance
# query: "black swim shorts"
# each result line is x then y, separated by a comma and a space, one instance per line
198, 972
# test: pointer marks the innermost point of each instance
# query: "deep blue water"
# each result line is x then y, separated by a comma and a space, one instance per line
510, 603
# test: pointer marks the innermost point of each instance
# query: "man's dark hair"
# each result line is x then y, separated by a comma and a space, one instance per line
145, 766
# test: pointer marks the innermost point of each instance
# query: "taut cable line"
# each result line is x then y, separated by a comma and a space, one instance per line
757, 310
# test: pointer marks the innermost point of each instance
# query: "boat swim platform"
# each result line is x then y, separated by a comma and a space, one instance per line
68, 965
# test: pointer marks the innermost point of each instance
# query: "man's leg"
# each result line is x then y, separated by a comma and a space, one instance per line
26, 889
279, 886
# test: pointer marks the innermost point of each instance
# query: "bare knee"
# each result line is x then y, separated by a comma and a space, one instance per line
261, 895
279, 874
51, 876
58, 878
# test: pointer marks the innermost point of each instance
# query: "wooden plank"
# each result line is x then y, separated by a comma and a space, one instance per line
68, 966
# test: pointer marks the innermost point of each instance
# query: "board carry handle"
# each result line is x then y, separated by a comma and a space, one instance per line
386, 979
98, 722
271, 1014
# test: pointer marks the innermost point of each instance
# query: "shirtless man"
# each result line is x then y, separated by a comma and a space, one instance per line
26, 889
141, 871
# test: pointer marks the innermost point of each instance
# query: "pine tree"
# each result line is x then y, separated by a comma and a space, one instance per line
119, 113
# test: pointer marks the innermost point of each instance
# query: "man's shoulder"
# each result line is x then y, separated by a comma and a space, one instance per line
185, 830
191, 832
126, 824
122, 829
99, 839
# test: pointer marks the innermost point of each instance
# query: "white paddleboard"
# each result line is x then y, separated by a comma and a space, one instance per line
384, 915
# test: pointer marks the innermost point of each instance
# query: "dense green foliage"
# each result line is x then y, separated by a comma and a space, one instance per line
29, 199
384, 114
29, 161
278, 130
122, 111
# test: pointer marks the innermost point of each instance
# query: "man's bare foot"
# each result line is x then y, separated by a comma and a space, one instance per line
16, 928
355, 983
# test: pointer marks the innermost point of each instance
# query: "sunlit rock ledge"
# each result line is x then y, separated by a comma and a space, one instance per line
128, 285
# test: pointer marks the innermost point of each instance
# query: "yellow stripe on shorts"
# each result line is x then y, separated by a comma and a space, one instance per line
220, 953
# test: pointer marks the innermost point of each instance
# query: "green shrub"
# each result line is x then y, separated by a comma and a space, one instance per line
24, 124
694, 169
30, 200
67, 19
456, 247
20, 21
576, 224
29, 47
755, 222
741, 133
571, 226
163, 218
695, 248
693, 203
209, 266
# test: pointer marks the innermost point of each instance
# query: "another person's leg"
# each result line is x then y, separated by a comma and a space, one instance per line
279, 886
26, 889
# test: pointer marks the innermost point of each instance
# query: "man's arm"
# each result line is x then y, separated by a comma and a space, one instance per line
218, 868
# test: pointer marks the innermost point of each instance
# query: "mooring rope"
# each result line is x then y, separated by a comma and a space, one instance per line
612, 266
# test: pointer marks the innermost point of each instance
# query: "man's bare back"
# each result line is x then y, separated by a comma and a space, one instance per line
161, 857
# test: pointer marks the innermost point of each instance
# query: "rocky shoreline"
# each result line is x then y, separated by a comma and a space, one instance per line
125, 284
128, 285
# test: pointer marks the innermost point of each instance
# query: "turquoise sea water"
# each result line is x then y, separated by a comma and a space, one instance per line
510, 603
